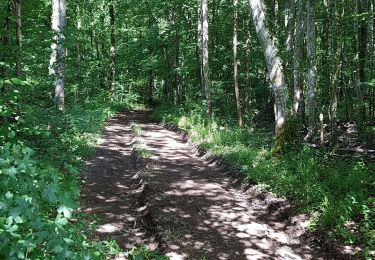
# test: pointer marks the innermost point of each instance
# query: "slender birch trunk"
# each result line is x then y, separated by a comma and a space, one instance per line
370, 40
275, 10
362, 35
325, 64
18, 38
99, 42
311, 65
56, 64
289, 42
112, 50
235, 62
335, 52
358, 77
200, 44
273, 63
205, 64
248, 23
175, 63
297, 63
177, 78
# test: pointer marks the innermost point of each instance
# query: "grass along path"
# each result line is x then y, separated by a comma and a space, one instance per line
337, 195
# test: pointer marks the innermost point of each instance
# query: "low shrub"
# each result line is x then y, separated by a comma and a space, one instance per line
41, 154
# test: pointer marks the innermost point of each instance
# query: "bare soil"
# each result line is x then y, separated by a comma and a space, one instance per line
184, 204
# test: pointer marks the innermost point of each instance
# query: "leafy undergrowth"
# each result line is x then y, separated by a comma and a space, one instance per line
336, 193
142, 253
42, 154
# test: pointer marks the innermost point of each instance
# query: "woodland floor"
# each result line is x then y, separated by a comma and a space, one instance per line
184, 205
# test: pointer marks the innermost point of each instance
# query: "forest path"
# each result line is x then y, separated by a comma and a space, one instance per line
181, 205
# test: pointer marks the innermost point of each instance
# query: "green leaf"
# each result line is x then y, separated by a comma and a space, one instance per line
66, 211
11, 134
4, 65
60, 221
3, 205
68, 240
20, 254
41, 236
15, 235
9, 195
49, 194
26, 150
16, 81
58, 249
18, 220
13, 228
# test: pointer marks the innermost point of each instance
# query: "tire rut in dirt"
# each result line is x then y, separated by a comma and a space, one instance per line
145, 206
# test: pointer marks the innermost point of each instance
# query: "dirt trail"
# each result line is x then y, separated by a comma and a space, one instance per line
180, 204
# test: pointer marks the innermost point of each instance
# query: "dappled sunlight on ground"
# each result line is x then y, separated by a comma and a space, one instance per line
185, 207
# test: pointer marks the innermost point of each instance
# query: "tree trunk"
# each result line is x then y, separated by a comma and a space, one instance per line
100, 41
5, 36
359, 75
18, 38
289, 27
297, 61
275, 13
205, 64
175, 60
112, 50
6, 26
370, 35
248, 66
177, 79
151, 82
215, 28
335, 52
311, 66
321, 124
56, 65
325, 65
200, 44
273, 63
79, 48
362, 34
235, 63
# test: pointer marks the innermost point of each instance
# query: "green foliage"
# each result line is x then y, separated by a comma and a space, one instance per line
39, 186
35, 207
334, 192
142, 253
136, 129
143, 153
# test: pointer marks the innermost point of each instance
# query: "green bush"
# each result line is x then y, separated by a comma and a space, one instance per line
35, 207
39, 186
142, 253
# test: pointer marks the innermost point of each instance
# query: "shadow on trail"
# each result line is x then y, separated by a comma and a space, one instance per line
193, 210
